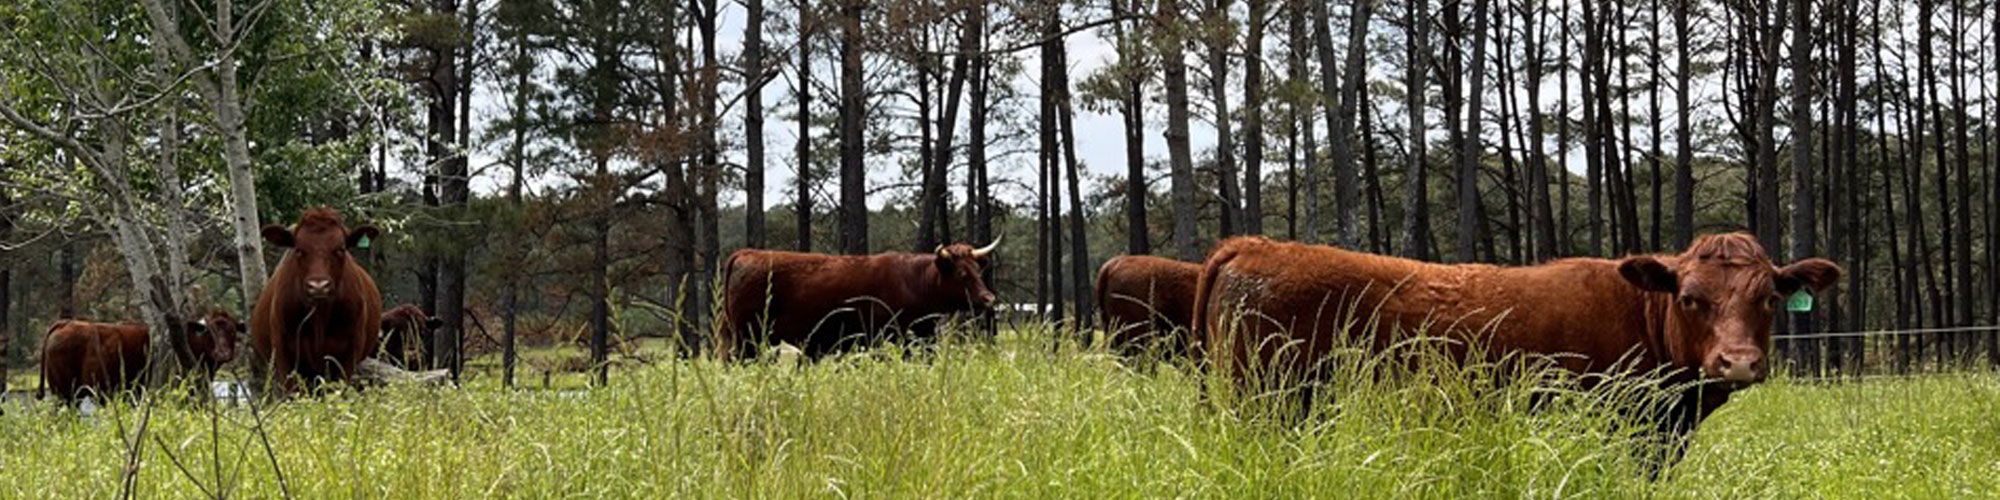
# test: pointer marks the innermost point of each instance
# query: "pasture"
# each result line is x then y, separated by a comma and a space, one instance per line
1009, 419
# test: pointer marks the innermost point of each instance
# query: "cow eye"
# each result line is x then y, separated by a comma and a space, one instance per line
1691, 303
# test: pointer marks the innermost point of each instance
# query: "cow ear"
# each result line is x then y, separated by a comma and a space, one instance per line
434, 323
1816, 274
945, 264
278, 236
1649, 274
196, 329
359, 235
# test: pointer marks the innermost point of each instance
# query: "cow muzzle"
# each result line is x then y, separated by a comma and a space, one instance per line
319, 288
1741, 365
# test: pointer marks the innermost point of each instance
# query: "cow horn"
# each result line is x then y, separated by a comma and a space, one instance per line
982, 251
941, 253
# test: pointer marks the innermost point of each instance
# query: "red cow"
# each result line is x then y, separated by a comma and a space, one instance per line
825, 303
1144, 302
402, 325
320, 313
102, 358
1271, 309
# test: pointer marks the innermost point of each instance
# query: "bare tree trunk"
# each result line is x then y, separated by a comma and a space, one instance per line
1593, 134
1079, 259
1683, 129
1179, 154
1470, 214
1220, 39
1371, 175
1966, 294
1296, 75
853, 172
1805, 227
1543, 220
1253, 119
448, 159
1655, 242
1416, 206
1341, 138
1567, 243
753, 126
802, 203
1138, 241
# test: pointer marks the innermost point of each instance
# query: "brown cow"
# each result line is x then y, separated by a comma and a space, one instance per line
825, 303
1272, 309
102, 358
405, 323
1144, 302
320, 313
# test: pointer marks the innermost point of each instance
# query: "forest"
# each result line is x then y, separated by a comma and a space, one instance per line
551, 167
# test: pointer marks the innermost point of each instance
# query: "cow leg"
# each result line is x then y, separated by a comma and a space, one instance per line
1675, 424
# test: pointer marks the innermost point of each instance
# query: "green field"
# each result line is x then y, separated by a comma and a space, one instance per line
1012, 420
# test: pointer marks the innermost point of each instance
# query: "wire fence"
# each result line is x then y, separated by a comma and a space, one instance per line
1873, 354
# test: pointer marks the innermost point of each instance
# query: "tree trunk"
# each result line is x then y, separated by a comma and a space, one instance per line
1543, 220
1220, 40
802, 201
1567, 244
1593, 134
1470, 214
1654, 242
1296, 76
1180, 157
1138, 241
517, 160
1346, 185
935, 206
1416, 205
1805, 226
1079, 259
1683, 128
1765, 189
453, 193
1372, 178
1253, 119
853, 172
753, 126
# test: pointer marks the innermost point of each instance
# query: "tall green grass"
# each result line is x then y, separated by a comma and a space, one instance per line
1016, 420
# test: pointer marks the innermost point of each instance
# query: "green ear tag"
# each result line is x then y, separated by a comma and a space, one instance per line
1799, 302
364, 244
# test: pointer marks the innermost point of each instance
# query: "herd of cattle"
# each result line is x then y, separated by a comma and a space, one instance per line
1255, 310
318, 316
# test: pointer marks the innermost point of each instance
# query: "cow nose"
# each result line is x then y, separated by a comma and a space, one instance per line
986, 298
1743, 365
319, 286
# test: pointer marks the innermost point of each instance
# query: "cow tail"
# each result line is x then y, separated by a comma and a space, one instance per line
1202, 324
727, 336
42, 386
1103, 314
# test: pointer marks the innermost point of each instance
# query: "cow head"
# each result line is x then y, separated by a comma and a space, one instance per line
213, 339
319, 247
1725, 294
961, 271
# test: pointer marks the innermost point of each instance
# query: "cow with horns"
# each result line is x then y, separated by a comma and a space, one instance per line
824, 304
